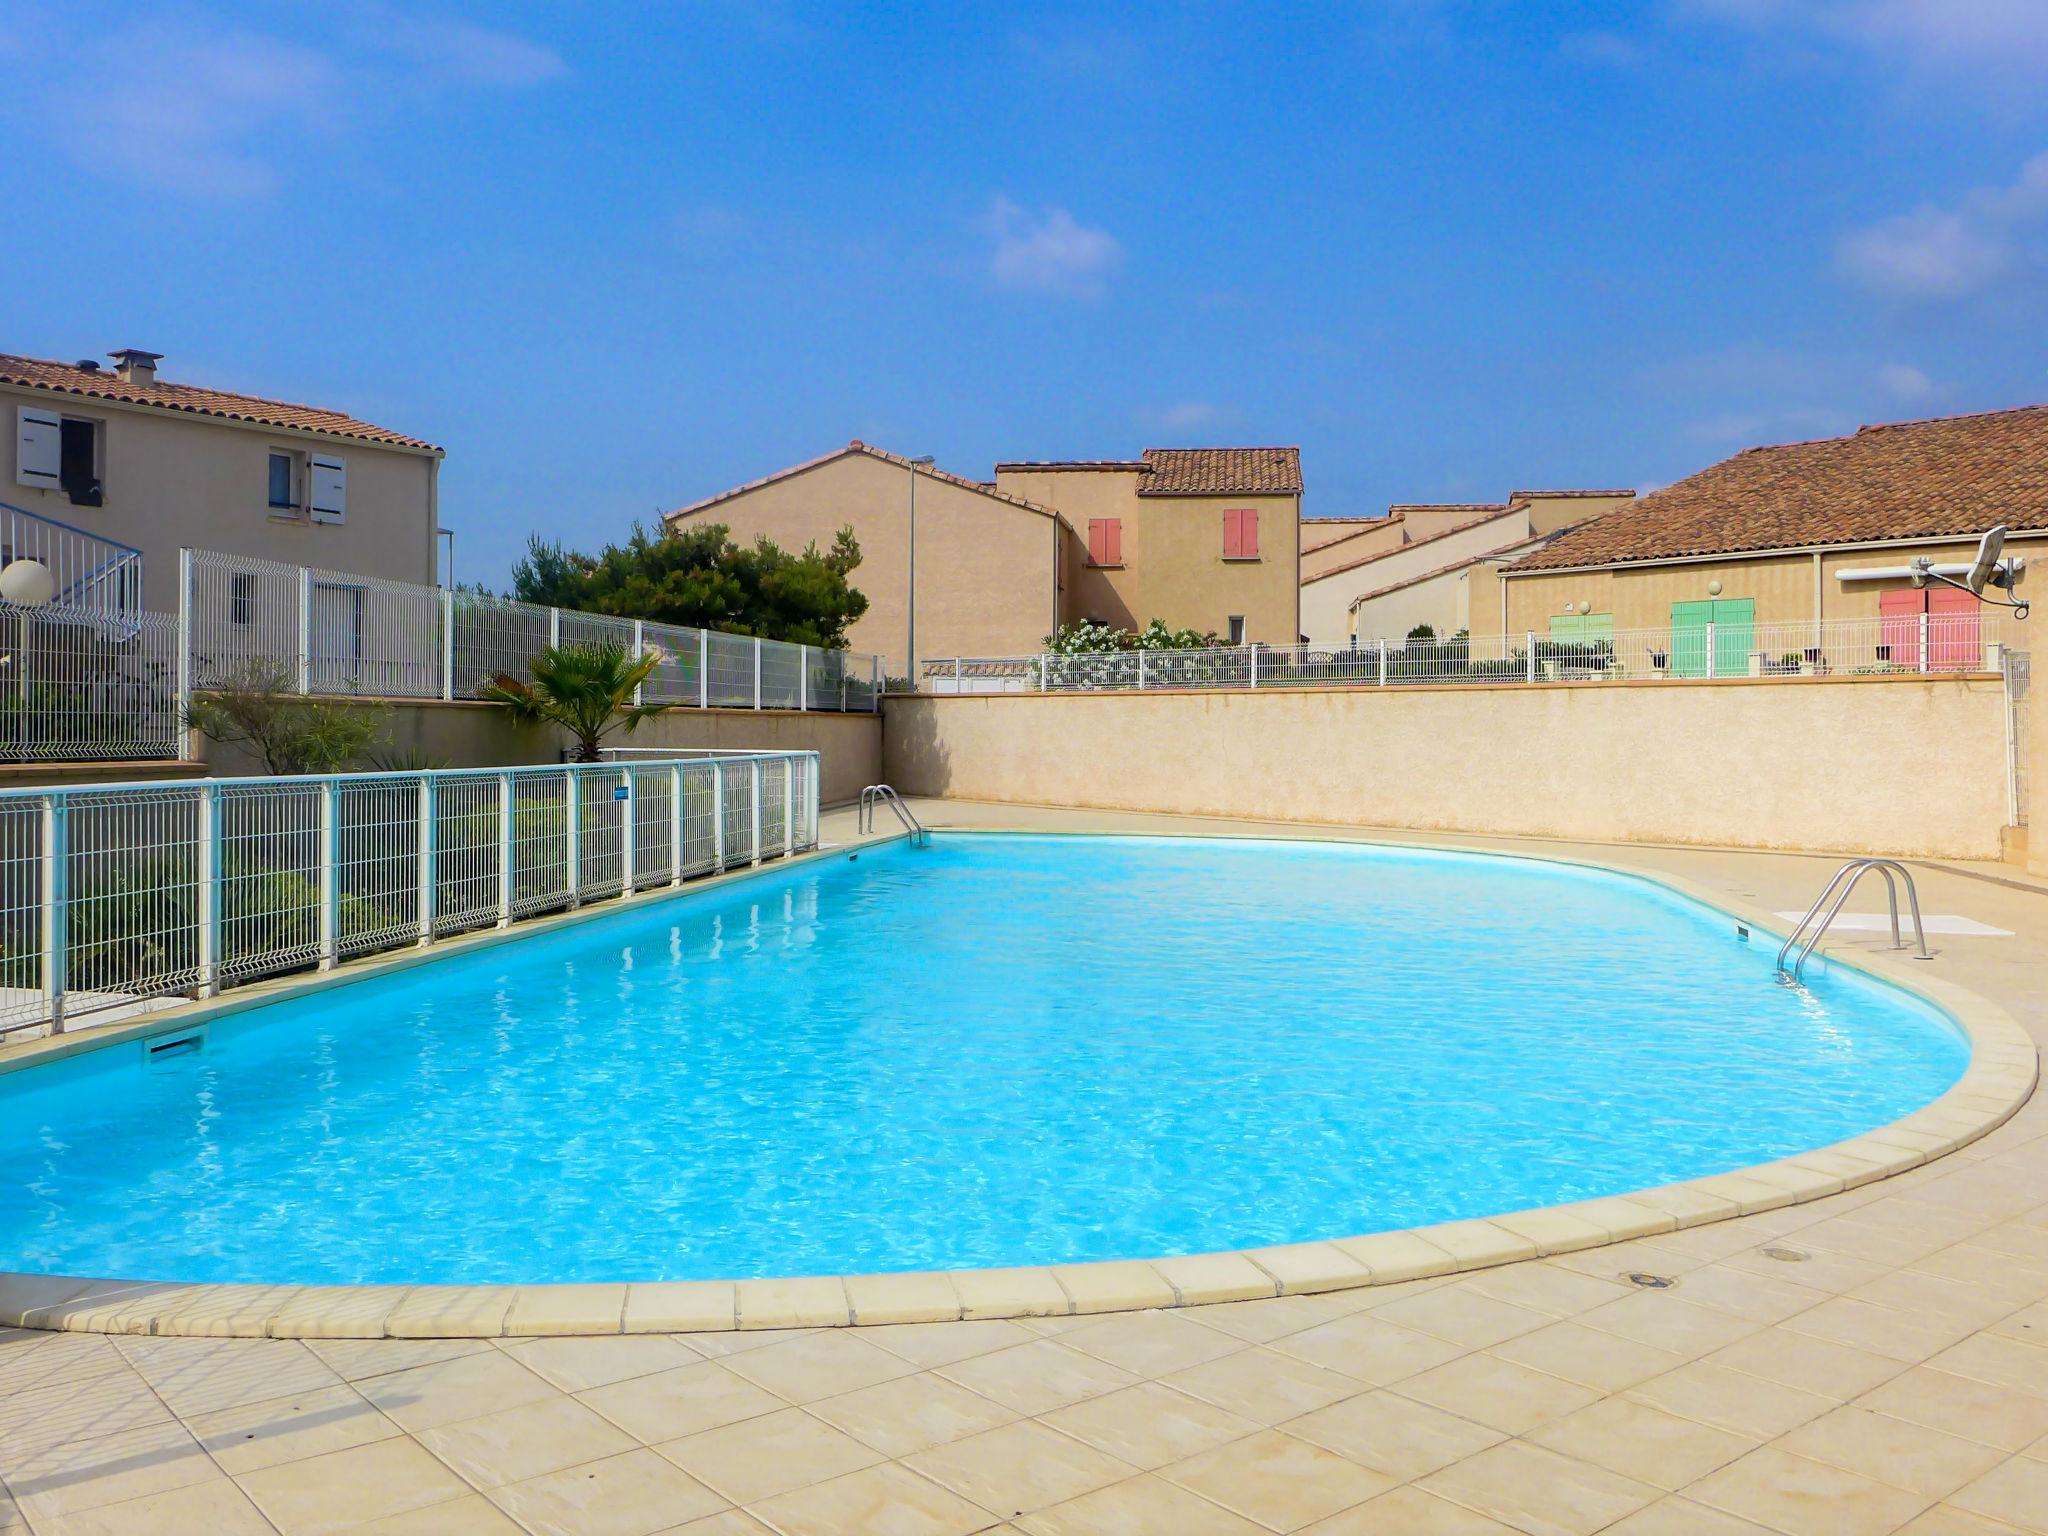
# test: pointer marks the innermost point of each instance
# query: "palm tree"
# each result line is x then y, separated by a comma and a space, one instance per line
587, 690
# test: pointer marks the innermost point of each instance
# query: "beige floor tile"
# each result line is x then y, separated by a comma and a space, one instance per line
636, 1494
58, 1412
256, 1435
1893, 1451
1037, 1377
198, 1375
1947, 1520
450, 1391
515, 1444
1732, 1400
1259, 1322
1897, 1335
1409, 1512
1680, 1516
2002, 1361
1393, 1434
1151, 1343
823, 1363
1463, 1316
1812, 1364
717, 1345
776, 1453
1498, 1393
933, 1344
30, 1358
348, 1488
2015, 1491
1138, 1504
213, 1508
1665, 1320
1748, 1294
1018, 1468
1279, 1481
1790, 1493
1265, 1386
1150, 1425
912, 1413
679, 1402
1833, 1274
1643, 1442
1957, 1405
576, 1363
357, 1359
1538, 1491
1368, 1347
1606, 1362
727, 1522
888, 1500
470, 1515
1546, 1287
108, 1469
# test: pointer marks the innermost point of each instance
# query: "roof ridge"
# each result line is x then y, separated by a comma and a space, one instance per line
979, 487
1928, 421
1402, 549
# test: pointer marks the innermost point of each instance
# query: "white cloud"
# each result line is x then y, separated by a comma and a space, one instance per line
1936, 253
1187, 416
1050, 254
2007, 37
214, 111
1905, 382
1612, 50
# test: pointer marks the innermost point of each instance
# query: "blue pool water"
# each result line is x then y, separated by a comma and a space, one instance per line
998, 1050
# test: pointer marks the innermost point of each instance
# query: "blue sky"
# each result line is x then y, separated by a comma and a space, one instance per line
616, 258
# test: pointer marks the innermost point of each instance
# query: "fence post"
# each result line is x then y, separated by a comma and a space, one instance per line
1255, 666
1141, 673
754, 809
875, 699
572, 836
429, 828
447, 644
504, 850
1381, 643
554, 626
330, 869
803, 677
206, 890
56, 896
184, 653
813, 778
1924, 662
788, 806
305, 629
639, 650
1529, 651
757, 671
675, 825
703, 669
717, 816
629, 827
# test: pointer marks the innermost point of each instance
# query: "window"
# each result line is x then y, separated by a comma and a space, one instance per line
1105, 541
1237, 629
79, 462
58, 453
281, 481
242, 599
1241, 533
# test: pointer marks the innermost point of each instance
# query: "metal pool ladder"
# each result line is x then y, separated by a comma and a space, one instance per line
883, 794
1839, 888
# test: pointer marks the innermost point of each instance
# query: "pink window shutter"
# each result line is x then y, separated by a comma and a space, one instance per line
1114, 526
1098, 541
1248, 533
1233, 533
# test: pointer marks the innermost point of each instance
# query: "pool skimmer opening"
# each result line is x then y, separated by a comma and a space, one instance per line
1786, 1255
1650, 1282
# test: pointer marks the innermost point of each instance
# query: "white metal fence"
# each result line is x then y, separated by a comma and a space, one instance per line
115, 895
338, 633
1931, 643
77, 685
89, 573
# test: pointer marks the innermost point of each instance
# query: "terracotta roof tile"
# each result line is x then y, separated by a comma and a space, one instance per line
70, 379
1222, 472
1952, 477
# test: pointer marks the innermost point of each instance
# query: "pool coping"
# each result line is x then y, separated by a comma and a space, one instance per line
1999, 1079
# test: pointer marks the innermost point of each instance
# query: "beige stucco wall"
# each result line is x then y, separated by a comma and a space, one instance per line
986, 568
172, 480
1326, 601
1440, 601
1321, 530
1784, 586
467, 734
1800, 763
1173, 554
1548, 513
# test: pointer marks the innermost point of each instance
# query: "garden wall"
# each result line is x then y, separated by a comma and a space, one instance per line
1864, 765
468, 734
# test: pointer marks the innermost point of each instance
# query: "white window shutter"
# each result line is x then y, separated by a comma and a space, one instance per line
39, 449
328, 495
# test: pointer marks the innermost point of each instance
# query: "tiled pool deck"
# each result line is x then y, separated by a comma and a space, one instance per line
1871, 1361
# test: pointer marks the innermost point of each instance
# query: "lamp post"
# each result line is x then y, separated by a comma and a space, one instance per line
922, 461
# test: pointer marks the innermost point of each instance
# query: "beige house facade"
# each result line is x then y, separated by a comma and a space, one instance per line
122, 454
1787, 536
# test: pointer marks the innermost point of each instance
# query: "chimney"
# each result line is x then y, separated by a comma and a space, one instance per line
132, 365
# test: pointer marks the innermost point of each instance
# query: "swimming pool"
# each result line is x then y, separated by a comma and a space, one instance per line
999, 1050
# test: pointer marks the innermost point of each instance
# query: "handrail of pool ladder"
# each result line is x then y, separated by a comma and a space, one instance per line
920, 836
1839, 887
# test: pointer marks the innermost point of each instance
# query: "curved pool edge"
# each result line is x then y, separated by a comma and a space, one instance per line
1998, 1081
